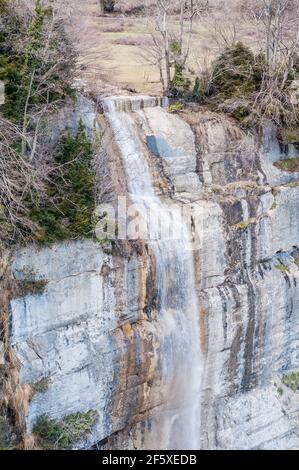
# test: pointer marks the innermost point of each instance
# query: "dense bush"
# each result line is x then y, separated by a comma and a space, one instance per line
291, 380
237, 72
108, 5
37, 61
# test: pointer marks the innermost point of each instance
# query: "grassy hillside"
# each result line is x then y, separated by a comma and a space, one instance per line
114, 48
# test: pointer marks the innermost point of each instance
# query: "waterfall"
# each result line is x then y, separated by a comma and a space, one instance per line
177, 423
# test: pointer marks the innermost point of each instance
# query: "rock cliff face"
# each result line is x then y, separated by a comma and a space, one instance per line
94, 333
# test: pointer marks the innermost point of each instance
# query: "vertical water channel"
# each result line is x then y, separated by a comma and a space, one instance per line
177, 425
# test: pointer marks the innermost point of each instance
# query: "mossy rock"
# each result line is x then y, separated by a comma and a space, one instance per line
295, 256
245, 224
290, 165
62, 434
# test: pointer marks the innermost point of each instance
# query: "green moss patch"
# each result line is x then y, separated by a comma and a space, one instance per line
291, 380
180, 84
175, 107
41, 386
289, 135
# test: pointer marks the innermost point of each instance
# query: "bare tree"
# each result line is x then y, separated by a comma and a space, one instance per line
278, 23
172, 29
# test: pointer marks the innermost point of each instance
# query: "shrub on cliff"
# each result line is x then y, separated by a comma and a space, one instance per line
291, 380
108, 5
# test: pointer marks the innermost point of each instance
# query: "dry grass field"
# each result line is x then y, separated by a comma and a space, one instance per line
113, 48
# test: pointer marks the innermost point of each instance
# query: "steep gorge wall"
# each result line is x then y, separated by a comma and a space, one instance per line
92, 334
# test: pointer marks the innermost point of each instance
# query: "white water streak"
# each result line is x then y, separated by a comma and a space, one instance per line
177, 425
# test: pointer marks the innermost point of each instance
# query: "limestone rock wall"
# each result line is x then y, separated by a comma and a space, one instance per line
85, 335
92, 333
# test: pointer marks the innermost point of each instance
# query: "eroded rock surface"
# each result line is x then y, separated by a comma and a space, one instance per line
93, 332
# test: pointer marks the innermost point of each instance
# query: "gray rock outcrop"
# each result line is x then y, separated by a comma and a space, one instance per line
92, 333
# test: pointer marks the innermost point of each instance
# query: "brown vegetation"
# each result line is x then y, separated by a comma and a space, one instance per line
291, 165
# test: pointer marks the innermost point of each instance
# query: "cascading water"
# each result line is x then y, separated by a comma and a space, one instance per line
177, 423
